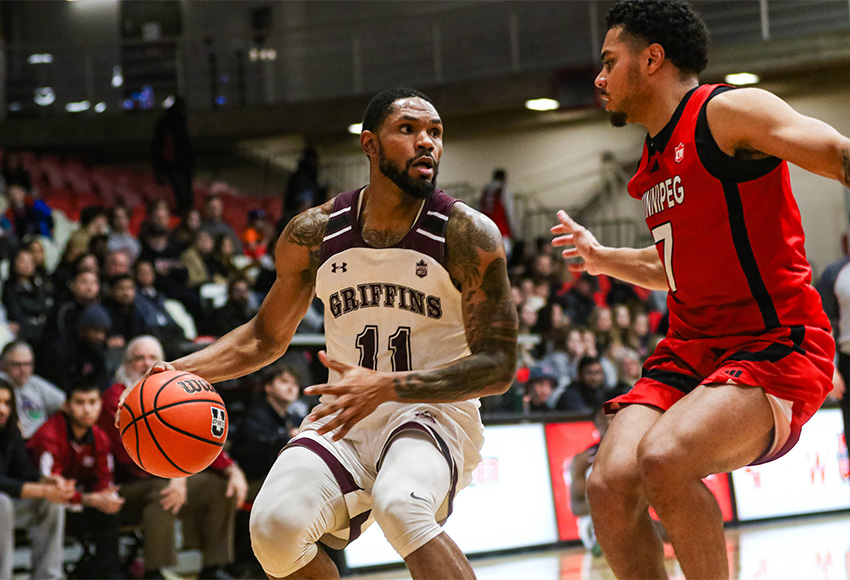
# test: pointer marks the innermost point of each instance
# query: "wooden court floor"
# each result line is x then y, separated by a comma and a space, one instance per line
813, 548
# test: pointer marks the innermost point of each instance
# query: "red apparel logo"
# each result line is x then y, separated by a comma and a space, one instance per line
680, 152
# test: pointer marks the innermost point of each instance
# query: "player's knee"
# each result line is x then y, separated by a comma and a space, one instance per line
407, 520
659, 465
279, 538
609, 484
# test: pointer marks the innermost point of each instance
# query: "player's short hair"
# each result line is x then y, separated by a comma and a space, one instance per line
381, 105
674, 24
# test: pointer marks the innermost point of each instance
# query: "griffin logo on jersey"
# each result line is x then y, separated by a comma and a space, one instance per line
421, 268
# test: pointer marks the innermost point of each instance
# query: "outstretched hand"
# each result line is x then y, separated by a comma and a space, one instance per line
358, 393
579, 242
157, 367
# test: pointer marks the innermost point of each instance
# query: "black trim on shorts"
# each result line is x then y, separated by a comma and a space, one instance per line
746, 256
776, 351
679, 381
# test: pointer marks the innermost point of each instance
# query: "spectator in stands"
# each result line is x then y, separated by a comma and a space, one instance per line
578, 301
14, 173
26, 502
117, 264
81, 355
639, 336
565, 356
629, 369
497, 203
212, 221
198, 259
36, 248
183, 235
222, 267
26, 299
256, 236
622, 323
158, 217
238, 310
206, 502
541, 383
120, 238
93, 221
151, 304
267, 425
85, 290
37, 398
27, 215
303, 190
173, 156
127, 320
70, 445
587, 393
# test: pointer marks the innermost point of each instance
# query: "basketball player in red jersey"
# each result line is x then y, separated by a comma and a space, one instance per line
419, 323
748, 358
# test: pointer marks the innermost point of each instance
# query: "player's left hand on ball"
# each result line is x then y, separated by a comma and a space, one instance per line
358, 393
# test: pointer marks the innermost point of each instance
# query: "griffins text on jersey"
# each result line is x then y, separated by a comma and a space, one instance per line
381, 294
663, 195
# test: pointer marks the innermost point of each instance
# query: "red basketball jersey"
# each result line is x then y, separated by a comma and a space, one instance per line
728, 231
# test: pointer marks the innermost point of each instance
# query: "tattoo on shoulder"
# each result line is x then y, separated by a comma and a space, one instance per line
307, 229
466, 234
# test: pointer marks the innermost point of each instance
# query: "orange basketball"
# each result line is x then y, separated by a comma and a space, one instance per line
173, 424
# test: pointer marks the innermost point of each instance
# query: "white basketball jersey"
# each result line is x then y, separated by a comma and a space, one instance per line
392, 309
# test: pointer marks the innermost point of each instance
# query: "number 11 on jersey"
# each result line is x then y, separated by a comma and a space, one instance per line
664, 234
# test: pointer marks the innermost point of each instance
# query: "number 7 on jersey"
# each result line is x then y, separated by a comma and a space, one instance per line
664, 234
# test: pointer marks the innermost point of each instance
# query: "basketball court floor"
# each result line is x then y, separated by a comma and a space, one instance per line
812, 548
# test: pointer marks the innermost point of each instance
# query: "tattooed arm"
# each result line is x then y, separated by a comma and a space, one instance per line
478, 268
752, 122
264, 338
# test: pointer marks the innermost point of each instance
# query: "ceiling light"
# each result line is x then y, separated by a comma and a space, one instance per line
100, 107
542, 104
742, 79
45, 58
44, 96
356, 128
78, 107
117, 76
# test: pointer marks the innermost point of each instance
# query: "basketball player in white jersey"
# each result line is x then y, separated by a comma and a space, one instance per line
419, 323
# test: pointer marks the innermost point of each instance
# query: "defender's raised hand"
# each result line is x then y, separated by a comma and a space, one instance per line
579, 242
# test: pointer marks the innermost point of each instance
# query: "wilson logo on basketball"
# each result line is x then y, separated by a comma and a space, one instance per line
195, 386
218, 422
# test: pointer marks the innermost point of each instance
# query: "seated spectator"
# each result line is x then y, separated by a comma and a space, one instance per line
628, 371
117, 264
157, 250
120, 238
72, 447
206, 502
197, 258
238, 310
127, 320
158, 217
587, 393
184, 234
37, 398
84, 291
81, 355
222, 267
268, 424
28, 216
639, 337
99, 246
622, 323
539, 388
151, 304
26, 298
93, 222
36, 248
212, 221
256, 236
564, 357
578, 302
26, 502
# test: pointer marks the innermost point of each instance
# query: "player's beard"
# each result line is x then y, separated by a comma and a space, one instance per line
418, 188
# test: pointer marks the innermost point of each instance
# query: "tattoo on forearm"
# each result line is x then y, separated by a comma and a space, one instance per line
491, 334
308, 229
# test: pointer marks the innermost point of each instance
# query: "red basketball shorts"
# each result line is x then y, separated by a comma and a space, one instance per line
793, 365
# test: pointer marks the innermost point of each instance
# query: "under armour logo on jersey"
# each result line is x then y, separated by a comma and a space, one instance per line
421, 268
343, 267
680, 152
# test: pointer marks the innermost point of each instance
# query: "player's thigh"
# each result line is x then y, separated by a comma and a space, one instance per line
714, 429
413, 463
616, 464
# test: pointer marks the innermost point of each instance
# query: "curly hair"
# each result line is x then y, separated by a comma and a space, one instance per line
673, 24
381, 106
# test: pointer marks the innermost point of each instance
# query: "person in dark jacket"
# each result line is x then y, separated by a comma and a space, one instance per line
587, 393
128, 321
25, 501
26, 298
238, 310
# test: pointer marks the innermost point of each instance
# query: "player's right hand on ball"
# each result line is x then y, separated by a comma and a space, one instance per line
157, 367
